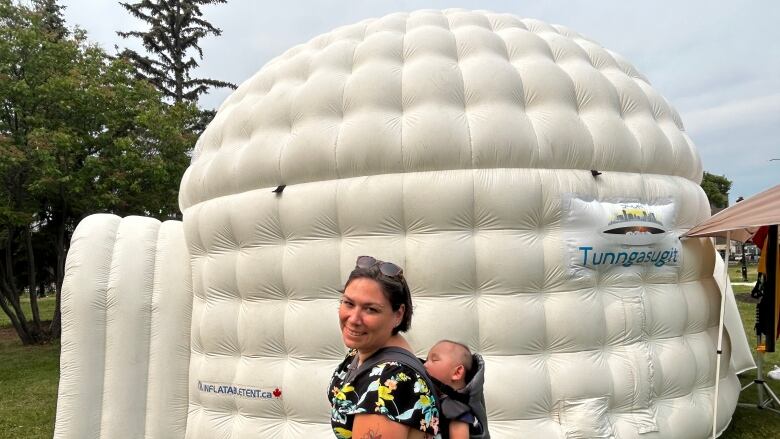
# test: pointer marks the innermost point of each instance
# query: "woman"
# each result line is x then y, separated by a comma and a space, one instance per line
393, 400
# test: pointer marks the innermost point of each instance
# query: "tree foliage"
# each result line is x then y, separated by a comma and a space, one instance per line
175, 29
79, 134
717, 188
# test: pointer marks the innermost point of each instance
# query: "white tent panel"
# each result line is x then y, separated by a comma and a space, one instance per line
128, 324
742, 354
126, 320
82, 357
167, 398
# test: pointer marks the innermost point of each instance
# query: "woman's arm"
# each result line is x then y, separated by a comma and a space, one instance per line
378, 427
459, 430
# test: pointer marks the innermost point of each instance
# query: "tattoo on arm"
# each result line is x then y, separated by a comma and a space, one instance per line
371, 434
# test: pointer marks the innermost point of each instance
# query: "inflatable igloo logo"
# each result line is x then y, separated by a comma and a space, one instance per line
601, 235
532, 184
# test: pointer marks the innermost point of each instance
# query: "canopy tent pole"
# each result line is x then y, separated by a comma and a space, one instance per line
719, 351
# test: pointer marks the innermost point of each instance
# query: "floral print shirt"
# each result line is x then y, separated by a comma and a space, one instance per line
392, 389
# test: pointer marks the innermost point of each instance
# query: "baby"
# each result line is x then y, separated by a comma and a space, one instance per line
459, 376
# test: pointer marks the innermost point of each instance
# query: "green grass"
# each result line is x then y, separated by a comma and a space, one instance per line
748, 422
735, 272
45, 307
29, 377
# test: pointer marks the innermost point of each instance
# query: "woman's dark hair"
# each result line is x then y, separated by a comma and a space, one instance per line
395, 289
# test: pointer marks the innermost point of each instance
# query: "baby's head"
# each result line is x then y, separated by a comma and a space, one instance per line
449, 362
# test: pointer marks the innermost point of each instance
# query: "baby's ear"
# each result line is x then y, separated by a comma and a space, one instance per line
459, 373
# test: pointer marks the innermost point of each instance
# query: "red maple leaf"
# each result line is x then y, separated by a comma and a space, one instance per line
277, 393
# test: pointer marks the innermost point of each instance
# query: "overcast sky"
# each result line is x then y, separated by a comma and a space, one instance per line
717, 62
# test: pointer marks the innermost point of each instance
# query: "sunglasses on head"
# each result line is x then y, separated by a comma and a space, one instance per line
387, 268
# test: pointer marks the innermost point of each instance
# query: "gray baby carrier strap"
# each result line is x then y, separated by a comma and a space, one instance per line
401, 356
397, 355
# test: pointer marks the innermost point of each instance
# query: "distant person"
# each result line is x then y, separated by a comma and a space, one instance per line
459, 377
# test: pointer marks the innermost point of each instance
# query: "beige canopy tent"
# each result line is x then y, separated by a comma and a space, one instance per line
740, 222
742, 219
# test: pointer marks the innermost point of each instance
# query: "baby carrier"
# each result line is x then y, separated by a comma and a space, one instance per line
450, 403
469, 399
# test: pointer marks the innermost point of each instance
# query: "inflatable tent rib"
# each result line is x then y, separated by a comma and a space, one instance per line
532, 184
126, 306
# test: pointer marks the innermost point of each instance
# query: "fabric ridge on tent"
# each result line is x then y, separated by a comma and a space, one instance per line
741, 352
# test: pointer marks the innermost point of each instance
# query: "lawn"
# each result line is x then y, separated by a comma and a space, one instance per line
29, 378
735, 272
748, 422
45, 307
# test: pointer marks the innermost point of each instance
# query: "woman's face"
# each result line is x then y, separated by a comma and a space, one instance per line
366, 317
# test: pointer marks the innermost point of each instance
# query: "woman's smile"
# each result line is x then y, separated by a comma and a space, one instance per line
353, 333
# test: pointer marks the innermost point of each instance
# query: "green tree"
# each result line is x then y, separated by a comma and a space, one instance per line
175, 29
717, 188
52, 19
79, 134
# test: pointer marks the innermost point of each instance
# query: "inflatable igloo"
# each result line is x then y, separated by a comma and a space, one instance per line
532, 184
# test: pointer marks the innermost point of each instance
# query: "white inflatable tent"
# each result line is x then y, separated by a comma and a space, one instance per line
532, 184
